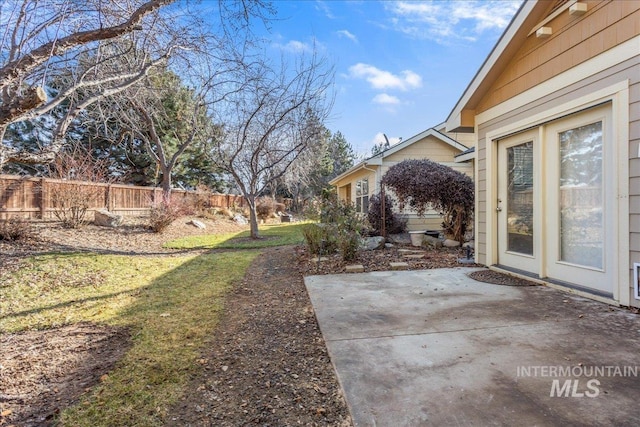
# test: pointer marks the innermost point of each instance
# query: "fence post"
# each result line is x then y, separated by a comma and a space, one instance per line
43, 197
108, 202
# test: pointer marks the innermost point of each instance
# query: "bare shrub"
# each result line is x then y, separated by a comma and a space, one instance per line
226, 212
268, 208
70, 198
162, 214
202, 199
13, 229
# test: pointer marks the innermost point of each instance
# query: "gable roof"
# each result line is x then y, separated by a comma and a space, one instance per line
461, 118
377, 159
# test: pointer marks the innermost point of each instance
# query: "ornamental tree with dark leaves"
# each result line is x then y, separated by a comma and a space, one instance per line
423, 185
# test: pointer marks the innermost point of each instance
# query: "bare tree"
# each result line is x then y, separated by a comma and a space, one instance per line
169, 111
269, 122
44, 39
168, 117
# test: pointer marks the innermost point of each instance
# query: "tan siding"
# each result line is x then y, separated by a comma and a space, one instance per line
634, 221
574, 40
352, 179
415, 223
634, 170
429, 148
627, 70
634, 242
634, 206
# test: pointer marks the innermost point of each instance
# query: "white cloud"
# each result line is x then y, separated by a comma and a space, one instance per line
295, 46
324, 8
384, 98
347, 34
447, 21
380, 79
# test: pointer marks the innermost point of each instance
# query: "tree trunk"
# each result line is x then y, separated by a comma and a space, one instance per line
166, 186
253, 217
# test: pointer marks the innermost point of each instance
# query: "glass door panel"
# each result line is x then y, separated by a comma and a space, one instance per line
581, 196
520, 198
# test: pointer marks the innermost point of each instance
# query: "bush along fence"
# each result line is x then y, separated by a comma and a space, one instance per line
27, 197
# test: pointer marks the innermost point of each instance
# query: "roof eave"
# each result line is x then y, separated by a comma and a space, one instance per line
462, 117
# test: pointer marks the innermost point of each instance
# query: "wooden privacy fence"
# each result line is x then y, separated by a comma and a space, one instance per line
34, 197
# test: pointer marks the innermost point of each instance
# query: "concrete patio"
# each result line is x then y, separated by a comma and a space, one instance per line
435, 347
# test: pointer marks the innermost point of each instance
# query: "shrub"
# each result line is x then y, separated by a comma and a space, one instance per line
341, 229
226, 212
161, 216
392, 222
202, 199
348, 244
267, 207
423, 184
15, 229
71, 199
320, 238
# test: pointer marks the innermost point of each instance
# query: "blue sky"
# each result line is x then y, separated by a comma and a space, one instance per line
400, 65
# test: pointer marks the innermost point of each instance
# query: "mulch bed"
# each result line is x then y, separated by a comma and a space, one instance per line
42, 372
497, 278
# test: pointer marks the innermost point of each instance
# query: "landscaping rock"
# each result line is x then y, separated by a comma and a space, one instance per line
451, 243
470, 244
356, 268
372, 243
430, 242
399, 265
400, 239
239, 219
389, 245
197, 224
104, 218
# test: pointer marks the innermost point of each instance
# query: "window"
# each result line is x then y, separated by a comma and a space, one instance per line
362, 196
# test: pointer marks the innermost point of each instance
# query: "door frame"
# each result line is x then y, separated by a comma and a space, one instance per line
618, 95
557, 268
525, 262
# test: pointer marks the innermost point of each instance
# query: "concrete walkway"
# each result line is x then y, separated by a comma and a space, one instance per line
434, 347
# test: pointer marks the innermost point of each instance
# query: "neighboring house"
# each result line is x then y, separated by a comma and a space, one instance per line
556, 112
363, 180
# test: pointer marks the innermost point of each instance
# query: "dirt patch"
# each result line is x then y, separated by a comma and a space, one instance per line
42, 372
497, 278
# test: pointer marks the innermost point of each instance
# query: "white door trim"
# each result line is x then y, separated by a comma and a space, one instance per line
618, 95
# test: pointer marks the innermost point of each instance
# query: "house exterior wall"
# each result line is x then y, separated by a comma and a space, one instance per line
352, 179
609, 73
435, 150
575, 39
430, 148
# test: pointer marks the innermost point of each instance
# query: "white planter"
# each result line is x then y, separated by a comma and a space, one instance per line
417, 237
